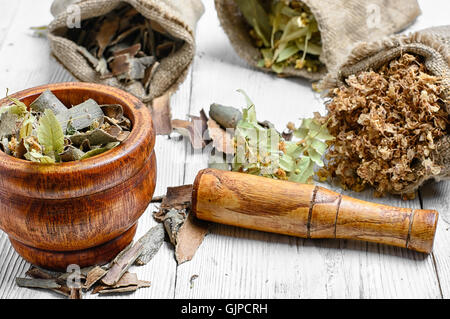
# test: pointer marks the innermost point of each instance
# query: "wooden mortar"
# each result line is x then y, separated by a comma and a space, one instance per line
82, 212
307, 211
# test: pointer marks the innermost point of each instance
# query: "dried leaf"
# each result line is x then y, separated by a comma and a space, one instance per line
222, 140
195, 129
7, 123
106, 33
161, 115
50, 133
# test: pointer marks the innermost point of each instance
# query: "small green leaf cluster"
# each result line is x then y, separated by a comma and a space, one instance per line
262, 151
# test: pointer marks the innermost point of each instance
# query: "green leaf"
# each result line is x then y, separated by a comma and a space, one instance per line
99, 150
301, 133
278, 68
287, 52
294, 150
257, 17
50, 134
39, 158
315, 157
287, 163
303, 171
247, 100
319, 146
27, 126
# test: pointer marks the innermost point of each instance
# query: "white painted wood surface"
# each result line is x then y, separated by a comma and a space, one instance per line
232, 262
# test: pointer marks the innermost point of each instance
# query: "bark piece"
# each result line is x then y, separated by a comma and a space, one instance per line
8, 124
75, 293
81, 116
38, 273
47, 100
128, 283
161, 115
176, 197
106, 33
185, 232
38, 283
94, 276
152, 242
149, 73
131, 50
189, 238
173, 220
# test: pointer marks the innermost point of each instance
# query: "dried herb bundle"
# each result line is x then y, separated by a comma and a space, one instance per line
261, 150
386, 124
285, 31
48, 132
125, 45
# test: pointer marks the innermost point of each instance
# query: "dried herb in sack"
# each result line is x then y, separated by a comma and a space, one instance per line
389, 112
287, 35
308, 38
142, 46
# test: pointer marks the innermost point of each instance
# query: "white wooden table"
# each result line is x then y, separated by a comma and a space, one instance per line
232, 262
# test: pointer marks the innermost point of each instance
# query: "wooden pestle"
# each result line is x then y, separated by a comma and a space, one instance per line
307, 211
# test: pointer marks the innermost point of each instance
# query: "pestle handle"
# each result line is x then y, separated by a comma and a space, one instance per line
307, 211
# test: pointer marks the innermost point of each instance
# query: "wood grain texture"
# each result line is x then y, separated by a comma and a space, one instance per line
284, 207
73, 207
234, 262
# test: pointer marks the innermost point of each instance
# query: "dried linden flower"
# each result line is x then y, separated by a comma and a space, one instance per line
386, 124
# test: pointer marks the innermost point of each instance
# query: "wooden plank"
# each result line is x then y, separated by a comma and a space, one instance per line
436, 196
9, 11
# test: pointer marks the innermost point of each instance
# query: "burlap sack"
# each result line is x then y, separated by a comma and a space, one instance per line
434, 46
177, 19
342, 23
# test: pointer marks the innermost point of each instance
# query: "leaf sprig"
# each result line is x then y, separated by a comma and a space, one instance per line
262, 151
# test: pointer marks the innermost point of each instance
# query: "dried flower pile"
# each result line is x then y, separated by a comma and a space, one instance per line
386, 124
286, 32
48, 132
